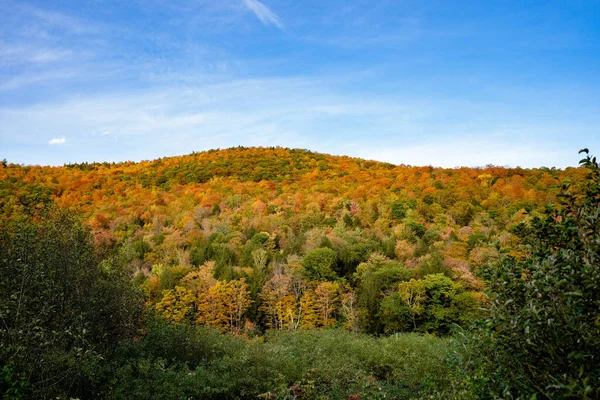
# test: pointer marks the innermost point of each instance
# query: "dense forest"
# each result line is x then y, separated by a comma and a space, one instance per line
278, 273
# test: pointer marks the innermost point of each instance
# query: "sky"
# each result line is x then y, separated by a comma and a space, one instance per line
442, 83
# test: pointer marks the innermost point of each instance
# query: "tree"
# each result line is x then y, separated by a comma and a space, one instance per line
177, 304
349, 309
440, 311
326, 298
543, 330
413, 295
318, 264
275, 292
310, 313
398, 210
61, 308
224, 305
432, 304
376, 276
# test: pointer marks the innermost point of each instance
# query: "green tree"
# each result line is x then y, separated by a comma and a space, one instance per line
318, 264
61, 308
433, 304
398, 210
441, 311
374, 277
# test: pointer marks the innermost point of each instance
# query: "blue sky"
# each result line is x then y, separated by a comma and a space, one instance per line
444, 83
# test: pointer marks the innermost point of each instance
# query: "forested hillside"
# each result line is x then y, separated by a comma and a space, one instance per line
255, 239
342, 253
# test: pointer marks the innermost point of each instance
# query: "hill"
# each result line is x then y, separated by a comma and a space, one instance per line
239, 210
253, 242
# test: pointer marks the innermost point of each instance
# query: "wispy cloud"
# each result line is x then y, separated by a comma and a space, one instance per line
60, 20
29, 79
12, 54
50, 55
263, 13
60, 140
168, 121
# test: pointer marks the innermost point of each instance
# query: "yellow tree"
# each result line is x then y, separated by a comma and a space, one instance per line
287, 313
208, 311
239, 301
201, 280
277, 300
308, 311
349, 308
177, 304
224, 305
326, 299
413, 294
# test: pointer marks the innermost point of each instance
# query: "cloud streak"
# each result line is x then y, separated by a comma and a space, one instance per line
168, 121
61, 21
263, 13
57, 141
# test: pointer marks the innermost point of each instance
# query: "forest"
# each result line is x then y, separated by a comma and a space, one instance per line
288, 274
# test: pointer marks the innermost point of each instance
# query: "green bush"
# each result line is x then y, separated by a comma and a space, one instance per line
61, 308
178, 362
542, 335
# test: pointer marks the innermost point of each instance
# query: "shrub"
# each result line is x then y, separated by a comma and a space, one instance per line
179, 362
543, 331
61, 308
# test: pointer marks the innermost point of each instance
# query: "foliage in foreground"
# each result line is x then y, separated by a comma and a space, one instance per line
542, 335
61, 309
181, 362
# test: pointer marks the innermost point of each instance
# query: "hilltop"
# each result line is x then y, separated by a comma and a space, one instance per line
294, 195
209, 206
287, 169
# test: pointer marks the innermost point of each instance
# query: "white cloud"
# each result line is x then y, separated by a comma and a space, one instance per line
472, 151
263, 13
60, 140
105, 133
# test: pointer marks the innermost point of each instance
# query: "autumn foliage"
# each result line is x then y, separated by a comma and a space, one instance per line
255, 239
